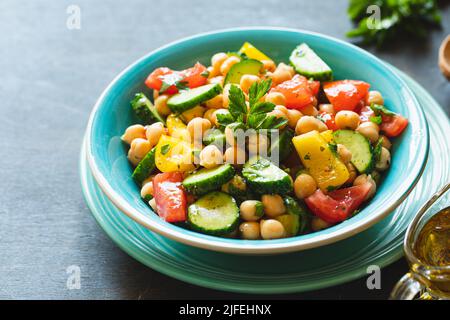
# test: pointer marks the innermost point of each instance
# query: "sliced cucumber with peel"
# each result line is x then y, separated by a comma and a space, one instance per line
248, 66
359, 146
145, 110
307, 63
294, 208
145, 168
188, 99
215, 213
264, 177
206, 180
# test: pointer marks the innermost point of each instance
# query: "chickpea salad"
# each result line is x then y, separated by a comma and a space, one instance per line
254, 149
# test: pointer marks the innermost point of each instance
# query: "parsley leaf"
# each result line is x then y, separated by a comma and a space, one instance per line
376, 119
381, 110
165, 148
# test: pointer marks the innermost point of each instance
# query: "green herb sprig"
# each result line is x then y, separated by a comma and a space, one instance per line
256, 116
412, 17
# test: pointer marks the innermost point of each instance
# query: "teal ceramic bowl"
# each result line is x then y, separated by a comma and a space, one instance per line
112, 115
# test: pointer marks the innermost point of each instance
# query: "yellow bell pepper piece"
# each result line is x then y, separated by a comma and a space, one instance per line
177, 128
173, 154
317, 157
250, 51
327, 135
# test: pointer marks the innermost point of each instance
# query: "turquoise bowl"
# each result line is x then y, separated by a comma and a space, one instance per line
112, 115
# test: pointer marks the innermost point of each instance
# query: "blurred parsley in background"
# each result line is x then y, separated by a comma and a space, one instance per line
411, 17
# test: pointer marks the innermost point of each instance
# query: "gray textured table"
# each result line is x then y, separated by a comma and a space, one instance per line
50, 77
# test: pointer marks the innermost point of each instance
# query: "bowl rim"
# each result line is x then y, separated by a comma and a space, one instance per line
241, 246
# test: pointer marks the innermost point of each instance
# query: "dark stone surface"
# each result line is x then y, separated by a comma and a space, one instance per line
50, 78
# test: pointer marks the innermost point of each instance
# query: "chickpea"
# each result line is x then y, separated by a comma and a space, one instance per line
225, 95
247, 80
384, 161
192, 113
152, 204
282, 73
251, 210
370, 130
293, 116
218, 59
153, 132
326, 107
211, 157
319, 224
228, 63
352, 173
272, 229
138, 149
133, 132
161, 105
208, 115
386, 143
273, 205
269, 65
364, 178
250, 230
347, 120
214, 115
310, 110
197, 128
304, 186
149, 179
234, 155
375, 97
344, 153
147, 189
276, 98
258, 144
308, 123
282, 109
216, 79
215, 103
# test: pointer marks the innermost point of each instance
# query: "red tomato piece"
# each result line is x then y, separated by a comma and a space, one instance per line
299, 91
170, 197
328, 119
191, 77
337, 205
366, 113
346, 94
392, 126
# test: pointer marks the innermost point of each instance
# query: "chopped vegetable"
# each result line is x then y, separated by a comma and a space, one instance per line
359, 146
346, 94
169, 196
392, 126
173, 154
188, 99
206, 180
145, 167
321, 162
299, 91
252, 52
145, 110
307, 63
248, 66
215, 213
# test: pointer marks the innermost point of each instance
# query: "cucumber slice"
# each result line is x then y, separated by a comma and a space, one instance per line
145, 110
145, 168
294, 208
359, 146
188, 99
248, 66
283, 145
215, 137
266, 178
206, 180
306, 62
215, 213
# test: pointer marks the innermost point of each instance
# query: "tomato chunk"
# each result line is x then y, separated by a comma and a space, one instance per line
337, 205
346, 94
170, 197
394, 125
328, 119
191, 77
299, 91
